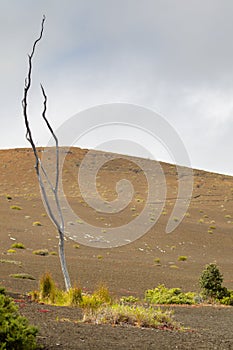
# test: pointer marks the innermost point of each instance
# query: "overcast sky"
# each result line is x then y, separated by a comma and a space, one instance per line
174, 57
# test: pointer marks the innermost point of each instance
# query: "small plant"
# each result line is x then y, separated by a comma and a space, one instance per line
157, 261
14, 262
212, 227
36, 223
99, 257
11, 251
52, 253
228, 300
211, 283
174, 266
47, 288
15, 207
15, 331
75, 296
163, 295
228, 216
129, 299
42, 252
138, 316
76, 246
24, 276
102, 294
18, 245
8, 197
182, 258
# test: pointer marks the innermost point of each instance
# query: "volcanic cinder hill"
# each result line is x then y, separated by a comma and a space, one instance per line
205, 235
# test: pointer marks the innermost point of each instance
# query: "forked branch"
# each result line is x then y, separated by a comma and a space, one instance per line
59, 222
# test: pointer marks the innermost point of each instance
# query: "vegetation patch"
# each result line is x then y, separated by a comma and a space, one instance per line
18, 245
100, 308
14, 262
15, 207
11, 251
182, 258
36, 223
211, 286
138, 316
42, 252
24, 276
163, 295
15, 331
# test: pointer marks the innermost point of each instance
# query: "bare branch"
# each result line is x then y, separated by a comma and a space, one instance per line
39, 166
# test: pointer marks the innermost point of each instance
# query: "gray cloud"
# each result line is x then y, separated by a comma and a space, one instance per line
174, 57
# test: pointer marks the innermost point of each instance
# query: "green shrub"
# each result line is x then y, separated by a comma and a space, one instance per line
11, 251
15, 207
129, 299
163, 295
36, 223
75, 296
42, 252
47, 288
15, 331
182, 258
138, 316
18, 245
211, 282
102, 294
24, 276
228, 300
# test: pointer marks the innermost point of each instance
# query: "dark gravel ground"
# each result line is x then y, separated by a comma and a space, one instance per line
210, 327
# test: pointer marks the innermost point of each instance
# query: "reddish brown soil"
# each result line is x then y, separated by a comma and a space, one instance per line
127, 270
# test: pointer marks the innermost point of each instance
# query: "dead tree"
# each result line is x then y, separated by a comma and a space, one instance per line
40, 170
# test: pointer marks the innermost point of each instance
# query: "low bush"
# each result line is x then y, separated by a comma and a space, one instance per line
18, 245
15, 207
227, 300
211, 285
47, 288
15, 331
138, 316
182, 258
24, 276
129, 300
42, 252
163, 295
211, 281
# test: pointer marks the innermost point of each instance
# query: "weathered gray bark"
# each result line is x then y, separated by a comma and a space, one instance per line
40, 170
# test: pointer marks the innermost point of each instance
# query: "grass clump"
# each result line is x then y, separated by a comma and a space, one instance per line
18, 245
15, 207
24, 276
163, 295
138, 316
11, 251
182, 258
47, 288
36, 223
42, 252
129, 300
14, 262
15, 331
157, 261
8, 197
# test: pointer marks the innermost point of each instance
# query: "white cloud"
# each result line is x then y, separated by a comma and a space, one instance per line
172, 56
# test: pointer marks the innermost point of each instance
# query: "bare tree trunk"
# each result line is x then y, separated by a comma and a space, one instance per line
40, 170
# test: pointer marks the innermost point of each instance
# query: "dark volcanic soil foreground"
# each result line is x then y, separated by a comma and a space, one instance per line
205, 235
210, 328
